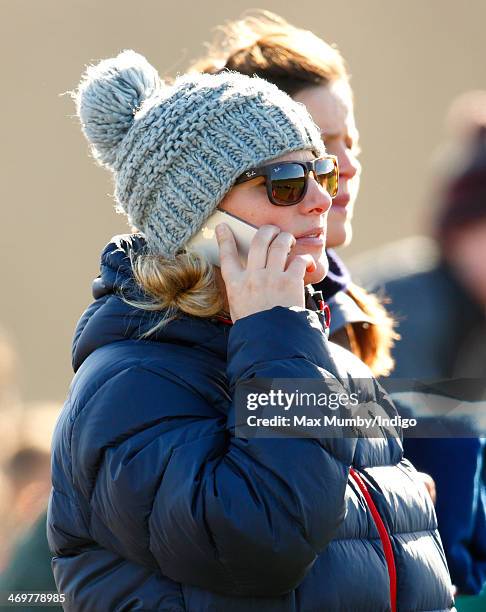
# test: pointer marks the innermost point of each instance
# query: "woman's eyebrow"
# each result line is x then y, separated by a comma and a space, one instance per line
351, 137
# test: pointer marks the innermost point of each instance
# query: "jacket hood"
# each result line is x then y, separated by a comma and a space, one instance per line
110, 319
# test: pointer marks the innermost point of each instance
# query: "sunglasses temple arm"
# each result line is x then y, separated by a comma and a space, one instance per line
251, 174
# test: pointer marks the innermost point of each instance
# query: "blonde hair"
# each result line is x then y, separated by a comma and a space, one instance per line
262, 43
186, 284
372, 342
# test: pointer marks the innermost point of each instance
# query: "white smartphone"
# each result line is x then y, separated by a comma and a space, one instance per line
205, 242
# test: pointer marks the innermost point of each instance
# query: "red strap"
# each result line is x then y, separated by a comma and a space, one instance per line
384, 537
327, 313
224, 320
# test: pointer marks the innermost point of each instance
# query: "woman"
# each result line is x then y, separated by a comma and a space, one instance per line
314, 73
156, 503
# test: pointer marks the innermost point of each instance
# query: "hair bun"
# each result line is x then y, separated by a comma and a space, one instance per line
107, 98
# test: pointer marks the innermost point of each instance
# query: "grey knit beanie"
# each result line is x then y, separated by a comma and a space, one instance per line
176, 150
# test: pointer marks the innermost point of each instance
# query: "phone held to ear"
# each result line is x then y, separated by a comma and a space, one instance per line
206, 244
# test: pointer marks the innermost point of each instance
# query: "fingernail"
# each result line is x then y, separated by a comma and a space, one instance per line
220, 230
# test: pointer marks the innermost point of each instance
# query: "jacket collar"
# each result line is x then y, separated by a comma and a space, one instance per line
111, 319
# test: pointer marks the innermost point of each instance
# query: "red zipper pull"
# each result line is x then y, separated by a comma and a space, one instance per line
323, 307
327, 312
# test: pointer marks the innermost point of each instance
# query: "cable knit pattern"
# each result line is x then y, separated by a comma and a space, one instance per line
176, 150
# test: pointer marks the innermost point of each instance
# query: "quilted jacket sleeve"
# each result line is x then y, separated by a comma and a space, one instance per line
177, 490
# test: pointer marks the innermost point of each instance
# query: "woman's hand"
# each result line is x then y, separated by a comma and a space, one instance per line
267, 280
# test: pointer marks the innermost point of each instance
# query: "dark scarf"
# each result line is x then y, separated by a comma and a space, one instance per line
337, 279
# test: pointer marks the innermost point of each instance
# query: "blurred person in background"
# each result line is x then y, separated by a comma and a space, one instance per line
437, 290
25, 470
314, 73
9, 415
25, 434
28, 563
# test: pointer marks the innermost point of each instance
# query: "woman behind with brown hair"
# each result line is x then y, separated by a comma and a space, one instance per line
314, 73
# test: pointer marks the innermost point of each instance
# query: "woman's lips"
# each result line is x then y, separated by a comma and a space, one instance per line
340, 203
341, 200
317, 240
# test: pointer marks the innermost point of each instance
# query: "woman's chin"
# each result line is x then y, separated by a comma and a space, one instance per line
339, 233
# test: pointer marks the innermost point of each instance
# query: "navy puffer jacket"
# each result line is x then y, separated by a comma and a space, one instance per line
156, 505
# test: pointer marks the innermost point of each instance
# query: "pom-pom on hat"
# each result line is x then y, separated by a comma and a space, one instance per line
176, 150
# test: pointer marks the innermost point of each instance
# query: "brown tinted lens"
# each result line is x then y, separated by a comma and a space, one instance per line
288, 183
327, 175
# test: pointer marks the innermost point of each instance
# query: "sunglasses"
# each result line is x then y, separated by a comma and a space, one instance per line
287, 181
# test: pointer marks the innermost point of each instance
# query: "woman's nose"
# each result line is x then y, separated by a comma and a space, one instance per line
349, 165
317, 199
